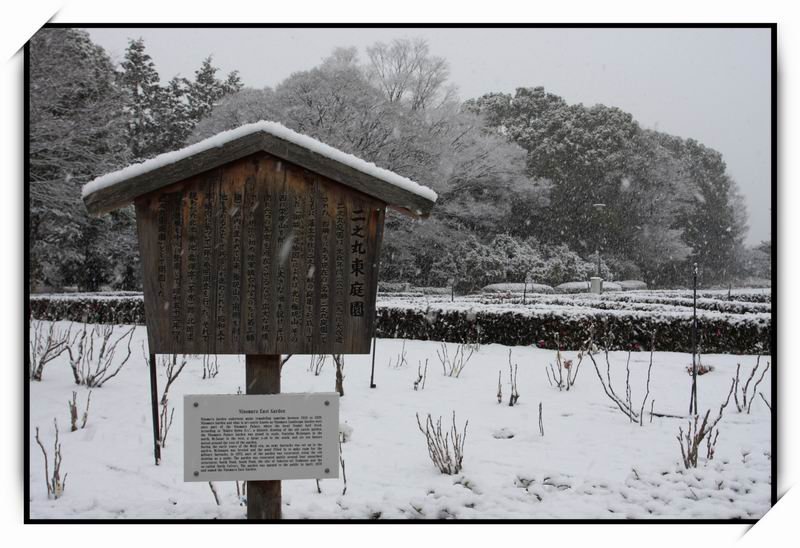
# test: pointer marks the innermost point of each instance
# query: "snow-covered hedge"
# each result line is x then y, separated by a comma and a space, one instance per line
127, 308
518, 288
393, 287
584, 287
631, 285
718, 333
565, 318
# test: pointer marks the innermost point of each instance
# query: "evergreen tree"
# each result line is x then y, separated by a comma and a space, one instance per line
77, 132
206, 90
145, 100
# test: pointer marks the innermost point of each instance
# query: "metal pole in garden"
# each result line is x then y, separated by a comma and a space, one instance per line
693, 402
372, 372
154, 409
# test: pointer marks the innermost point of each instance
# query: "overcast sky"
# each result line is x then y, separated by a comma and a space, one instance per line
709, 84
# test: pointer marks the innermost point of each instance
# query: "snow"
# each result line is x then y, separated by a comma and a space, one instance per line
631, 285
517, 288
590, 463
273, 128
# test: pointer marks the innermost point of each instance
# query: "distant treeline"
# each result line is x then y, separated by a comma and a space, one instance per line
520, 177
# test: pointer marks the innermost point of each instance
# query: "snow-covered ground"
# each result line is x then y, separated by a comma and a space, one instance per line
592, 462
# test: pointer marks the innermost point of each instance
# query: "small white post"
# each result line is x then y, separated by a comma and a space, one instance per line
597, 285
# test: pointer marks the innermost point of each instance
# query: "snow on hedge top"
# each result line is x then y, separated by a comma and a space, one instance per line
275, 129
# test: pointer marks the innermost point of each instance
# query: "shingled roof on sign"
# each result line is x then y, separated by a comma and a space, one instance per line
122, 187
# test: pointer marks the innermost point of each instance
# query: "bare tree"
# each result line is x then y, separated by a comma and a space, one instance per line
405, 71
45, 346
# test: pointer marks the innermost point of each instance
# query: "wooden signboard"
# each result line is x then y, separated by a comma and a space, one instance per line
259, 256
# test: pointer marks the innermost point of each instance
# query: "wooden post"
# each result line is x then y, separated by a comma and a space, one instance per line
263, 376
154, 405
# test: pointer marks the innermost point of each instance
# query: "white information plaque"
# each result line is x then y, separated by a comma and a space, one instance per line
260, 437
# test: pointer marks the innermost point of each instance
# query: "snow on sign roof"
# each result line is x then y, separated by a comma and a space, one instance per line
120, 188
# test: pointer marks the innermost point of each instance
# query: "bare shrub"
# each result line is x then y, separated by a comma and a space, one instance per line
401, 358
446, 449
341, 461
173, 368
338, 359
701, 369
453, 366
697, 431
46, 344
93, 366
422, 375
214, 492
210, 366
512, 379
765, 401
499, 386
73, 411
747, 395
55, 484
564, 373
541, 424
625, 405
317, 363
241, 492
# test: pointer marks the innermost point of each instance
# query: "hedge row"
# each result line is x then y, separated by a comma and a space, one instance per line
718, 333
113, 309
619, 301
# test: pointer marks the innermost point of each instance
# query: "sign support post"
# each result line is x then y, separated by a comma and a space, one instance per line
263, 376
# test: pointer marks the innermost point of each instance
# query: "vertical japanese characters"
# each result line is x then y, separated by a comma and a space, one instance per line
263, 258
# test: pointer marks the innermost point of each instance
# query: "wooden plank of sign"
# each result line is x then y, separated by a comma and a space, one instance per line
259, 257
